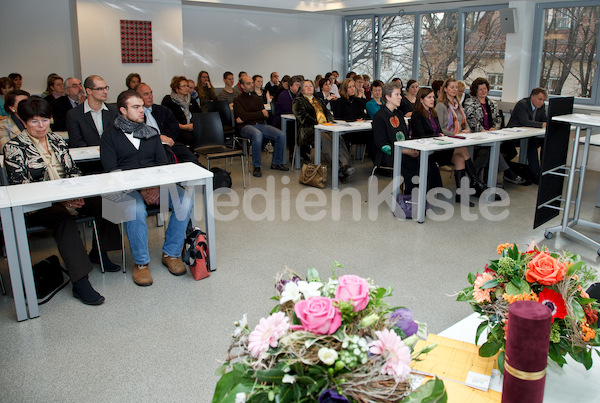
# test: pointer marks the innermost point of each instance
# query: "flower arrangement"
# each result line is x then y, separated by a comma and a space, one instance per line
327, 341
550, 278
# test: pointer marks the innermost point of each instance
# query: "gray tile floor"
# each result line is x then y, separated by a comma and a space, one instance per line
164, 342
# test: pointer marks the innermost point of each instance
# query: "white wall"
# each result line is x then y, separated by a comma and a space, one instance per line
220, 39
100, 46
36, 41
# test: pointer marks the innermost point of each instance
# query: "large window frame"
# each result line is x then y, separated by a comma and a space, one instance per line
376, 30
538, 44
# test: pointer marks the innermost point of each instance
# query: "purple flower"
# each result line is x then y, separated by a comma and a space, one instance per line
332, 396
403, 319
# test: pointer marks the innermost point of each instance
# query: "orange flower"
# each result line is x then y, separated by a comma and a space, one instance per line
531, 296
545, 270
588, 332
479, 294
503, 246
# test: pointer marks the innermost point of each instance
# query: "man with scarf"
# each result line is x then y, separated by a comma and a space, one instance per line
132, 144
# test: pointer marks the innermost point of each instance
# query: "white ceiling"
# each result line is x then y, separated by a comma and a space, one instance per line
338, 7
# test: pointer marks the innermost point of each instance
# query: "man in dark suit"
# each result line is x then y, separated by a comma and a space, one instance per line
162, 119
129, 144
88, 121
531, 112
74, 96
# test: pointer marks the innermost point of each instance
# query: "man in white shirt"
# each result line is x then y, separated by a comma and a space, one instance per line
88, 121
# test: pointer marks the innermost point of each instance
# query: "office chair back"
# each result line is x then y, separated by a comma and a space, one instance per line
208, 130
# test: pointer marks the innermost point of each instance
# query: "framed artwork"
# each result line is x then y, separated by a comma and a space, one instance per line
136, 41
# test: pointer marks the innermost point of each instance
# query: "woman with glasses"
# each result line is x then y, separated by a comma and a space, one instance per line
180, 103
206, 92
37, 155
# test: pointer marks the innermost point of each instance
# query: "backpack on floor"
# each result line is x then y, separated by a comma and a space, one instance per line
195, 254
222, 178
48, 278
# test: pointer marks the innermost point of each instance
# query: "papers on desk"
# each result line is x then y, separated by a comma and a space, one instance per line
510, 130
589, 118
70, 183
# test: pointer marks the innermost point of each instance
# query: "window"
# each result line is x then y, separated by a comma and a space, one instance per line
568, 51
397, 42
360, 46
439, 42
484, 48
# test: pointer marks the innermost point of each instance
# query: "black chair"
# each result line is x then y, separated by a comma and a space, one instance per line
209, 140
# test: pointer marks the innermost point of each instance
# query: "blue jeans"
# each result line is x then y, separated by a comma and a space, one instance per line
137, 230
256, 133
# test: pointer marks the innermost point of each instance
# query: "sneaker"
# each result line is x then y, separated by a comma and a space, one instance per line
517, 180
256, 172
350, 170
269, 147
279, 167
83, 290
141, 275
108, 265
175, 264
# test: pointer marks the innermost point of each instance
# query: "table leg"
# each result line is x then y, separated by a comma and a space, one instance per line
422, 198
209, 215
396, 176
317, 146
492, 178
25, 259
335, 159
523, 144
13, 264
571, 180
582, 168
298, 156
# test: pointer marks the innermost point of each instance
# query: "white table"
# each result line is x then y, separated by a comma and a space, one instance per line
587, 122
571, 383
85, 153
34, 196
594, 141
284, 121
337, 130
427, 146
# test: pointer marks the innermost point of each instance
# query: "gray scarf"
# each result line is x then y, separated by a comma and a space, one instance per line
184, 104
139, 130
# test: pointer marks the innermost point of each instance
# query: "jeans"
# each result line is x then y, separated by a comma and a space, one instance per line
137, 229
256, 133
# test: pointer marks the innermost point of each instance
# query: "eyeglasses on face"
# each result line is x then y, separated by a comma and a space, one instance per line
101, 88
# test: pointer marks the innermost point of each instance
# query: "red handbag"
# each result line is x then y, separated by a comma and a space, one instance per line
195, 254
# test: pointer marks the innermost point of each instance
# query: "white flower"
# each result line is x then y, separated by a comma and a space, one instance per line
240, 397
310, 289
288, 379
240, 325
328, 355
291, 292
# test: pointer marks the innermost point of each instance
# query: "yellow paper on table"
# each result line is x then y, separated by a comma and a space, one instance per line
452, 360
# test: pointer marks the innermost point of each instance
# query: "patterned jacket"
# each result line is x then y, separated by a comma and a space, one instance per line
474, 114
8, 130
24, 164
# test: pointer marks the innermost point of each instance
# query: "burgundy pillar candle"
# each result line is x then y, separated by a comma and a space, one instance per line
527, 343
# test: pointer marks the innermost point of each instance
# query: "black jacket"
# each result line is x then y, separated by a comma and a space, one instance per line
350, 109
306, 118
81, 127
387, 125
522, 115
60, 107
117, 152
421, 127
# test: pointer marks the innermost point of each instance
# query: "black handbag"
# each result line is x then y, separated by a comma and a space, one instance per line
49, 278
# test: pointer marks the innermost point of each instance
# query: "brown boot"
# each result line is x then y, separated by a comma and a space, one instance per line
141, 275
175, 265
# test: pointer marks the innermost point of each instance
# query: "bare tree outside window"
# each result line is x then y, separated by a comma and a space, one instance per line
360, 46
397, 39
484, 48
569, 50
439, 43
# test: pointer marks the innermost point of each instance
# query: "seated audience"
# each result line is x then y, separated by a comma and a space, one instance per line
436, 85
162, 119
310, 111
229, 92
193, 92
6, 86
283, 86
87, 121
325, 94
17, 80
334, 84
272, 86
206, 92
318, 79
12, 126
73, 97
531, 112
360, 89
427, 123
286, 97
239, 84
367, 86
180, 103
348, 107
461, 96
132, 144
408, 100
398, 81
250, 116
36, 155
482, 115
55, 87
132, 80
376, 102
259, 90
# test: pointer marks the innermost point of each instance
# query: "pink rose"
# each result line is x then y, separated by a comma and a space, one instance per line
355, 289
318, 315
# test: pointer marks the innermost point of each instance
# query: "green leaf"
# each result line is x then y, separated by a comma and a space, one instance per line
577, 310
286, 393
432, 391
555, 355
585, 301
501, 359
490, 284
574, 268
313, 275
490, 348
482, 326
229, 381
471, 277
239, 388
270, 375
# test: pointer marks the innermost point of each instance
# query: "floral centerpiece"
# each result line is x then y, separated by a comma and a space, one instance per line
554, 279
328, 341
